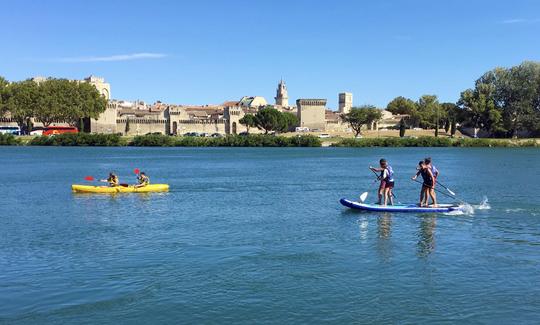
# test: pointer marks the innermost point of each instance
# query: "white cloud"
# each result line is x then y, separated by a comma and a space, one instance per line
520, 21
110, 58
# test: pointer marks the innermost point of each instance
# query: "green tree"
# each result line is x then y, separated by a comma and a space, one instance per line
127, 125
453, 127
248, 121
23, 101
428, 113
360, 116
288, 122
86, 102
401, 105
402, 127
3, 95
268, 119
480, 108
54, 100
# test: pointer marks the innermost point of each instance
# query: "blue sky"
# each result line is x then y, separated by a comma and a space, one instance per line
202, 52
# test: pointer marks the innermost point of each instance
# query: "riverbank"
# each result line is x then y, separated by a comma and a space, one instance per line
256, 140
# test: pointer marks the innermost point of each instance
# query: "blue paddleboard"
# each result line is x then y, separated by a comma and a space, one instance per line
399, 207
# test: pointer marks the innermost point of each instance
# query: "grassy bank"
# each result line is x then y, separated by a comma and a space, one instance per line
255, 140
433, 142
9, 140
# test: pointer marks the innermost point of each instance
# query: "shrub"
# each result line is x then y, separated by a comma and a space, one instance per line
152, 140
79, 139
432, 142
255, 140
9, 140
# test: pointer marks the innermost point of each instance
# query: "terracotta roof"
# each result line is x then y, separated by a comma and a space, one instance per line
231, 103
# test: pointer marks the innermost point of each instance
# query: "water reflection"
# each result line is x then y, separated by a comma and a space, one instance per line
384, 226
384, 231
426, 235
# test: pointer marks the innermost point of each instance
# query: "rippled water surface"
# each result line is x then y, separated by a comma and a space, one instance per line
257, 235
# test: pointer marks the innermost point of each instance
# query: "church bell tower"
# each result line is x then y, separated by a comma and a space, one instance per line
282, 98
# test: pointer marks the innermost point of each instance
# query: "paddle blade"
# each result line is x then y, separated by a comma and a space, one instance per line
363, 197
136, 171
449, 191
89, 178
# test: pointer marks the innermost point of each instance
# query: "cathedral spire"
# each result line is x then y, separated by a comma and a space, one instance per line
282, 98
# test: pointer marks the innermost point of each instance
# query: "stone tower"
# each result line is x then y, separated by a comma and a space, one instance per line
345, 102
312, 113
282, 98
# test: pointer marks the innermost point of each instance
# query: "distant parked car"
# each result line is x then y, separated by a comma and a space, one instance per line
301, 129
216, 135
53, 130
15, 130
243, 133
37, 131
204, 134
192, 134
324, 135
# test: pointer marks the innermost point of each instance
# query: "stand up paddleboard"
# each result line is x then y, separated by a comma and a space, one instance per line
399, 207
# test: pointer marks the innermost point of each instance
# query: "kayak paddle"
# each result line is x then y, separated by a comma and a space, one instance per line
91, 179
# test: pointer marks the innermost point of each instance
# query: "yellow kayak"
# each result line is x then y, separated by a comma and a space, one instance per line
120, 189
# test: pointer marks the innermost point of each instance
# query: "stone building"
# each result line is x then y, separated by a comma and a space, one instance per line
252, 102
311, 113
282, 97
345, 102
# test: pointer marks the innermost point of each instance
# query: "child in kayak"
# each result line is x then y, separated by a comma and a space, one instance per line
143, 180
427, 185
112, 180
387, 182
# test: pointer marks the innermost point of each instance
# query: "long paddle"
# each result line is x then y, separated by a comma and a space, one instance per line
443, 193
92, 179
449, 190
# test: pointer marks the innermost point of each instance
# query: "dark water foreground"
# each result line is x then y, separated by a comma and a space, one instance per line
258, 236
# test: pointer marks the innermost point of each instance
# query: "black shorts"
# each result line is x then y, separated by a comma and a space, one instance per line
385, 184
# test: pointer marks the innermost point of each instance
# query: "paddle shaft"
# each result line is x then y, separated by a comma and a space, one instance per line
446, 188
441, 192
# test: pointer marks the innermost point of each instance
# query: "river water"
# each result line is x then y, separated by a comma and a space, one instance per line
257, 235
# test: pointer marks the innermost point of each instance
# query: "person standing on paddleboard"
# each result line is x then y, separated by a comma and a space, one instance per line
387, 182
435, 173
427, 184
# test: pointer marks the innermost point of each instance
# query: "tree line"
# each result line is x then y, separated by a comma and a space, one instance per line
505, 102
49, 101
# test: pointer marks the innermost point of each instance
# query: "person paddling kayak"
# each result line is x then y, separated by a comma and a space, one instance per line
143, 180
112, 180
387, 182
